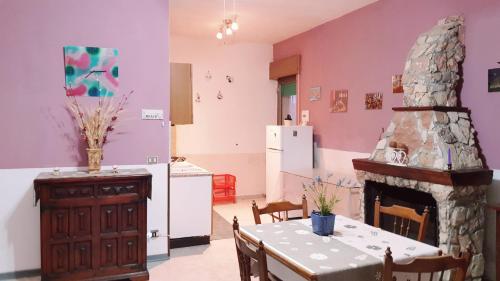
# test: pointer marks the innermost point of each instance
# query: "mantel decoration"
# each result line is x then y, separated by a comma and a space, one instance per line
96, 123
325, 199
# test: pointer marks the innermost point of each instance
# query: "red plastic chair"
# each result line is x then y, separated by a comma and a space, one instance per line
224, 188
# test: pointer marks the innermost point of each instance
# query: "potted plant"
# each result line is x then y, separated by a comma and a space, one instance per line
325, 199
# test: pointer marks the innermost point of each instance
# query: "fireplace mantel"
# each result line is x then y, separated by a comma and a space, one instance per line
462, 177
432, 108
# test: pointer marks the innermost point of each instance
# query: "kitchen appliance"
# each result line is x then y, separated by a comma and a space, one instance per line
288, 149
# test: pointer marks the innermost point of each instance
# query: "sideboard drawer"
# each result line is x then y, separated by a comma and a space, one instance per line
117, 189
62, 192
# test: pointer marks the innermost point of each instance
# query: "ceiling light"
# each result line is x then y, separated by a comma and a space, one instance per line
229, 24
234, 26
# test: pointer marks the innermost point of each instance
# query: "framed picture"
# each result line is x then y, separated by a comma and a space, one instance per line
339, 101
91, 71
494, 80
374, 101
315, 94
397, 84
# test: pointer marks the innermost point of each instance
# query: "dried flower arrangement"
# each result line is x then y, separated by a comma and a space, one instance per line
323, 197
95, 124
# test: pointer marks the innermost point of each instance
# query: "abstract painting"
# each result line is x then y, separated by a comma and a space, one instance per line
91, 71
397, 84
374, 101
338, 100
494, 80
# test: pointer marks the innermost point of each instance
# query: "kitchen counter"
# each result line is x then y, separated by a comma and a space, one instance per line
186, 169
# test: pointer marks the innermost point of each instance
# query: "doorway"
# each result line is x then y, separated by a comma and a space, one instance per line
287, 99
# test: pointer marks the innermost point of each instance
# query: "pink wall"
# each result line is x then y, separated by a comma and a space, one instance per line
362, 50
36, 130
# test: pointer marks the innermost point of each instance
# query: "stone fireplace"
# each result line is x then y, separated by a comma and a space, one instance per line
439, 142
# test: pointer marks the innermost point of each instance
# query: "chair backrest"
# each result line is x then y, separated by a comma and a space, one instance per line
245, 254
433, 267
275, 210
405, 215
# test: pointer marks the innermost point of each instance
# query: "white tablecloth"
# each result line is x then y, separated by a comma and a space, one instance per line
354, 252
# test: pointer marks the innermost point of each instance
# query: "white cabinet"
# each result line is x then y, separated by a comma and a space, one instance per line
190, 205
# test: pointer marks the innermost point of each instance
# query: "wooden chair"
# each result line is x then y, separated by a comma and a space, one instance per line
246, 254
404, 214
279, 207
429, 265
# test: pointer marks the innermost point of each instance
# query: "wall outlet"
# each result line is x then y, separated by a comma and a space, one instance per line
155, 233
152, 160
152, 114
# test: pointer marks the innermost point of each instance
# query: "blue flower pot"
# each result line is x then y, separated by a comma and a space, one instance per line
322, 225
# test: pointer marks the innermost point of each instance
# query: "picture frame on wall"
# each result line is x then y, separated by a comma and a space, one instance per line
315, 93
397, 84
339, 101
374, 101
494, 80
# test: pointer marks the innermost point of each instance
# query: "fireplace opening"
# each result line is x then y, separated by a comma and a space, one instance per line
392, 195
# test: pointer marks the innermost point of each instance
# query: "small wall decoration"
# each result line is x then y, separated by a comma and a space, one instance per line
339, 100
494, 80
397, 84
374, 101
91, 71
315, 94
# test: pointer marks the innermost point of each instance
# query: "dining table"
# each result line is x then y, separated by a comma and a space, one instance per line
354, 252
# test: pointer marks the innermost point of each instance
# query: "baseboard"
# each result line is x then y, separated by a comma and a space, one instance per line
189, 241
36, 272
254, 196
156, 258
20, 274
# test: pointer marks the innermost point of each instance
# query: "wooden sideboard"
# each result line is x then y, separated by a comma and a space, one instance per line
93, 226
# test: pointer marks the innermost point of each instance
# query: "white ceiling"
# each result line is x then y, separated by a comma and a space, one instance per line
261, 21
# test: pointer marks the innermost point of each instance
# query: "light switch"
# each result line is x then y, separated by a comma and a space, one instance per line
152, 114
304, 117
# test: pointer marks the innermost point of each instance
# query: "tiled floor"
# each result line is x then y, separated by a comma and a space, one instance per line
243, 210
214, 262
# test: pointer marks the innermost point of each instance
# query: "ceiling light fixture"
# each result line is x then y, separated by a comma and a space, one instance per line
229, 24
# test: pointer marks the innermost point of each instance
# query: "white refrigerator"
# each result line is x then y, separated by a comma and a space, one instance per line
288, 148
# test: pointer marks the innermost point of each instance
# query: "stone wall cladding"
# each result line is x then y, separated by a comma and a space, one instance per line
428, 136
431, 71
461, 215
